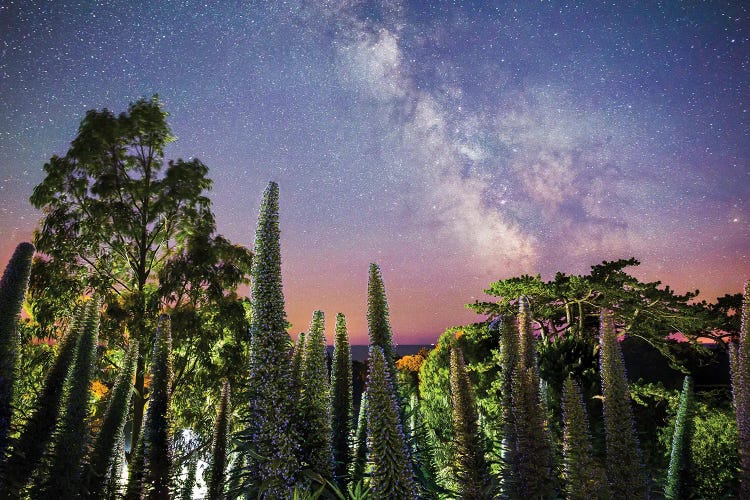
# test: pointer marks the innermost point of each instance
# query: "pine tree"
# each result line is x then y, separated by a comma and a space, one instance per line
103, 456
623, 465
584, 478
30, 446
378, 319
680, 444
359, 462
220, 445
315, 402
341, 401
740, 358
12, 291
391, 465
470, 467
65, 476
157, 452
270, 429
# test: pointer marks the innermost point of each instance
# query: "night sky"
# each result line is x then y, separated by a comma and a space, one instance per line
454, 143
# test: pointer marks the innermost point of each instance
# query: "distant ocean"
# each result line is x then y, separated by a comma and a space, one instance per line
359, 352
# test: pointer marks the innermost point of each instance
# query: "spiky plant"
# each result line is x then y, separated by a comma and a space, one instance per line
623, 465
526, 342
359, 446
508, 361
103, 454
220, 445
297, 355
30, 446
470, 468
378, 319
135, 489
315, 402
392, 476
12, 291
680, 443
157, 452
114, 481
584, 477
740, 359
341, 401
65, 475
270, 429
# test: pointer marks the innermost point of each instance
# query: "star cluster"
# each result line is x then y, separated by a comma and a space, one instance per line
454, 143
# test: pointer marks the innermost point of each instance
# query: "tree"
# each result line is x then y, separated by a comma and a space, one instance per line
740, 358
391, 465
378, 319
470, 468
271, 405
65, 475
103, 455
584, 478
341, 401
220, 445
12, 290
315, 402
623, 465
679, 456
114, 212
157, 452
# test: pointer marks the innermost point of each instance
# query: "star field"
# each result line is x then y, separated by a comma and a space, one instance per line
454, 143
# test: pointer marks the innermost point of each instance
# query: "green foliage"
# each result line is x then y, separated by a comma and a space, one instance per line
220, 446
103, 455
391, 465
680, 444
378, 319
740, 359
470, 468
341, 401
584, 477
359, 461
270, 428
12, 290
187, 486
315, 402
65, 475
623, 465
157, 452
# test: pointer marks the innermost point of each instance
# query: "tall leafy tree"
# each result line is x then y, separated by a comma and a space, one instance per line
12, 290
378, 319
104, 452
271, 405
741, 393
341, 401
65, 476
470, 467
157, 452
114, 210
584, 478
315, 401
220, 445
392, 475
28, 449
623, 465
679, 455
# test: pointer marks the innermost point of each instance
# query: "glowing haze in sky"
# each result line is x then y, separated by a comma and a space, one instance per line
454, 143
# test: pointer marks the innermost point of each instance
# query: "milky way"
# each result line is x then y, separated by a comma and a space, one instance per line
454, 143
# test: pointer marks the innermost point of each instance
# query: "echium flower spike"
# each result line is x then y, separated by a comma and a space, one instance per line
341, 401
508, 361
469, 465
623, 464
12, 291
315, 401
392, 476
103, 455
740, 359
526, 342
678, 460
584, 478
65, 476
157, 452
359, 464
28, 449
220, 445
297, 355
270, 428
378, 318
